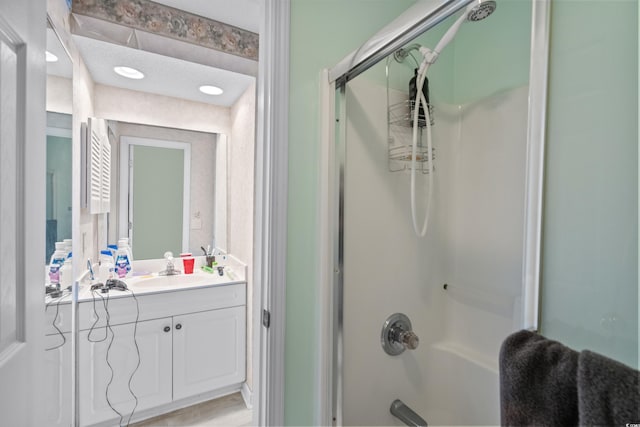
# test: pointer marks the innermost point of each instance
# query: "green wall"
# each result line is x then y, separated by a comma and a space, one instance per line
590, 257
465, 72
322, 33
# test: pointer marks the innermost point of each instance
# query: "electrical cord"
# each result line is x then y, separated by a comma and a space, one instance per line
55, 319
97, 316
112, 372
135, 342
108, 328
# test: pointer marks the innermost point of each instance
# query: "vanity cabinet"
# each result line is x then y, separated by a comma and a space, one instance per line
208, 351
191, 342
57, 380
99, 380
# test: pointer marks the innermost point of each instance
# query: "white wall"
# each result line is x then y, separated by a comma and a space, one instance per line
59, 94
203, 176
474, 244
386, 268
85, 237
157, 110
241, 148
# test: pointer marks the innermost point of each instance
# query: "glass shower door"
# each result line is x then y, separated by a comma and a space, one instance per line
461, 285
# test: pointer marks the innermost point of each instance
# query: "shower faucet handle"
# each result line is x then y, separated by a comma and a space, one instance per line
409, 339
397, 335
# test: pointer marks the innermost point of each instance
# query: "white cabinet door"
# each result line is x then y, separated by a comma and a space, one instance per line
57, 380
99, 379
208, 351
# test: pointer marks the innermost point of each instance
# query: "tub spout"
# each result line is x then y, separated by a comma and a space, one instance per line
406, 415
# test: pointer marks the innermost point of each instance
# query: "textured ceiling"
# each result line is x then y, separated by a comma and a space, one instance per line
163, 75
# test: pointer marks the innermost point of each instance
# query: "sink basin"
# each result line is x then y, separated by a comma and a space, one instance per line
181, 280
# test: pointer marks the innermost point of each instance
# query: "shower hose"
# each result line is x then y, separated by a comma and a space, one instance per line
416, 115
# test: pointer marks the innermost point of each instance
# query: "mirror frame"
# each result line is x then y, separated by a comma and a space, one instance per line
125, 195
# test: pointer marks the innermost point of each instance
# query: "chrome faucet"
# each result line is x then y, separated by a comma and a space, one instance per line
397, 335
171, 269
406, 415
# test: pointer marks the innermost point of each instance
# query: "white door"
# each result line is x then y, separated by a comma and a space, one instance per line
208, 351
22, 209
150, 382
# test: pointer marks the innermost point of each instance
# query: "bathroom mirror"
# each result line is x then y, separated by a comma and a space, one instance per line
164, 110
59, 159
164, 184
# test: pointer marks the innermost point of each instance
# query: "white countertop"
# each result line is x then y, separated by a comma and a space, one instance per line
144, 283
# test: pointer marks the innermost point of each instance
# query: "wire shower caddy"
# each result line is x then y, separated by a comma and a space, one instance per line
400, 133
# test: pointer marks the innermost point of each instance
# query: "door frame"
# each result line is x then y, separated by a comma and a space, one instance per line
270, 220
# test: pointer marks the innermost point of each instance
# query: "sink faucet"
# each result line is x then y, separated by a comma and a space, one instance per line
170, 270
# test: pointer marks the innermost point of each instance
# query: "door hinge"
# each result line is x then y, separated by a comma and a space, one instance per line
266, 318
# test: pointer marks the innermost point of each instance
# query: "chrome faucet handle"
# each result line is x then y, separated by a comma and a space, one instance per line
171, 269
169, 257
397, 335
409, 339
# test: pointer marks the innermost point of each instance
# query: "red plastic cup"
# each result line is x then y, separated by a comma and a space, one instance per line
187, 263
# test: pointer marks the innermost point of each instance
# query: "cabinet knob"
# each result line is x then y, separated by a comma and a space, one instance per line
167, 328
178, 326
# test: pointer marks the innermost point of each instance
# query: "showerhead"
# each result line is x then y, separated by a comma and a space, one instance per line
479, 10
476, 11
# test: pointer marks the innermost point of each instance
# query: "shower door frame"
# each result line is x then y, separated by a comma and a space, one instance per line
415, 21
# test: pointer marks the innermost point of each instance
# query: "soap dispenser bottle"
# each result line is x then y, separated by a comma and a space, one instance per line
66, 272
123, 260
124, 242
57, 260
107, 266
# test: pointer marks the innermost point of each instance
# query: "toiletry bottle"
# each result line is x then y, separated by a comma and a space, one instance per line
54, 274
113, 249
57, 260
125, 243
123, 265
68, 246
66, 272
107, 266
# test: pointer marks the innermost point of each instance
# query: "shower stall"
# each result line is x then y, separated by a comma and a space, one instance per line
456, 144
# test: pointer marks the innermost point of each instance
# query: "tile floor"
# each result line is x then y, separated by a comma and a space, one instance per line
225, 411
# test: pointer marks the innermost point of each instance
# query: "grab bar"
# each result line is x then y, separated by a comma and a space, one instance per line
406, 415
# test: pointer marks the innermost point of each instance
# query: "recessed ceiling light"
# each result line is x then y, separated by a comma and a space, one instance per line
211, 90
128, 72
50, 57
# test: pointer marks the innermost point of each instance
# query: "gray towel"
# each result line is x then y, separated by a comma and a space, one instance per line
608, 391
537, 382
